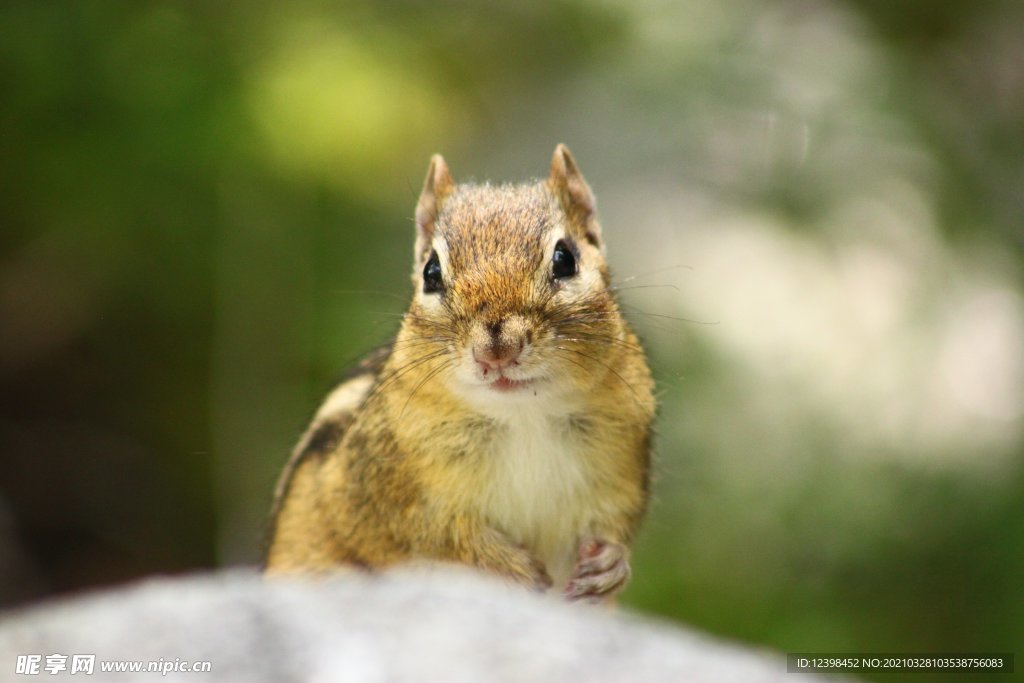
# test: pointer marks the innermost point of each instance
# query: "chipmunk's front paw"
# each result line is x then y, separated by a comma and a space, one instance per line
524, 569
602, 570
537, 576
495, 553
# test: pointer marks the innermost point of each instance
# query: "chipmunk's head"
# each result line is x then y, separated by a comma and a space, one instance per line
512, 298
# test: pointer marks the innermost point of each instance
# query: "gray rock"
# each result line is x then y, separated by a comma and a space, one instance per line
443, 625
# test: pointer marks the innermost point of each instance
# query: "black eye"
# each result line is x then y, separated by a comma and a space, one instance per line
563, 263
432, 281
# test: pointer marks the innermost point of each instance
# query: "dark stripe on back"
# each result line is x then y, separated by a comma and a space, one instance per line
321, 441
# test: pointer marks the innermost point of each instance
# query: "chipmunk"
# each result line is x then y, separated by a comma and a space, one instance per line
508, 426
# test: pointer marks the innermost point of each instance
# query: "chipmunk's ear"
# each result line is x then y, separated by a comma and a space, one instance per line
436, 188
572, 190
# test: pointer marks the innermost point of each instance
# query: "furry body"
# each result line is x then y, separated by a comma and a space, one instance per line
507, 427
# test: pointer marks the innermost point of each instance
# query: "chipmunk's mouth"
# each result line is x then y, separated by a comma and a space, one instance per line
506, 384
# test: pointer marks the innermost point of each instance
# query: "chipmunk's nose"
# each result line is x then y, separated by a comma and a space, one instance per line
497, 357
498, 349
489, 362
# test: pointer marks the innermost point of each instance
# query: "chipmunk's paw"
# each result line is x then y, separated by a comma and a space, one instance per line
602, 570
516, 564
522, 568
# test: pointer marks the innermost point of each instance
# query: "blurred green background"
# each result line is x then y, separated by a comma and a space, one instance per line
816, 209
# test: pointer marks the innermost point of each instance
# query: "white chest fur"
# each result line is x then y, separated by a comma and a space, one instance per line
537, 489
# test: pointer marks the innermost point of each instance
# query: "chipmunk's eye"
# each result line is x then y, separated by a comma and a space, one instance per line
563, 263
432, 281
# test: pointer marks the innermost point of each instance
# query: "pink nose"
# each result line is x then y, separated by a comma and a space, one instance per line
495, 359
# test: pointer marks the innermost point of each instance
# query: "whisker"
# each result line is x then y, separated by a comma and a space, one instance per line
426, 322
422, 341
579, 363
671, 317
430, 375
588, 318
656, 271
617, 288
398, 373
587, 338
379, 292
608, 367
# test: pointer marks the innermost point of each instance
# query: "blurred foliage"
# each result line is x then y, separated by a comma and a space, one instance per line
205, 212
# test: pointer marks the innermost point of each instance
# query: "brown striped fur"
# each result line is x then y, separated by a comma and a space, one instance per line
420, 459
